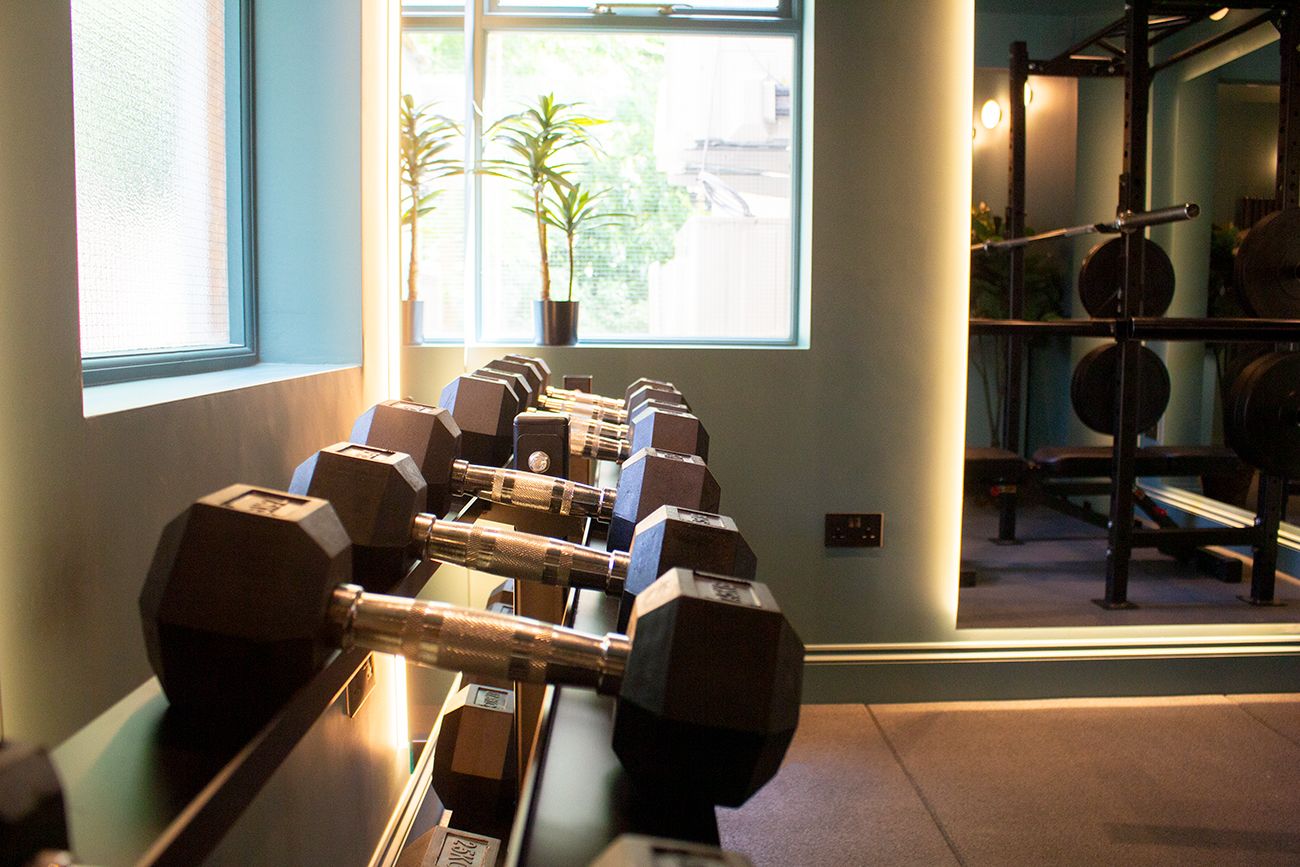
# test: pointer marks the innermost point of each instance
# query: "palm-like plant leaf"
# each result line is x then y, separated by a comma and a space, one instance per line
540, 145
426, 154
571, 209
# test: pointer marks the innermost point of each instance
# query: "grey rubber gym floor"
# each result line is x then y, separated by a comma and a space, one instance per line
1208, 780
1052, 578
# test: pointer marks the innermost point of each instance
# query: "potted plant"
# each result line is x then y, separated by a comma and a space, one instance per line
425, 138
541, 142
570, 210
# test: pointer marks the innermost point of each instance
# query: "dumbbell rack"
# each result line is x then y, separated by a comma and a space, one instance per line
1128, 331
325, 781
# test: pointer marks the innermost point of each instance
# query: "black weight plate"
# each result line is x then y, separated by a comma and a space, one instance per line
1268, 266
1262, 414
1101, 277
1092, 389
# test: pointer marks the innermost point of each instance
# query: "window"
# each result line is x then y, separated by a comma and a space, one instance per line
699, 157
162, 191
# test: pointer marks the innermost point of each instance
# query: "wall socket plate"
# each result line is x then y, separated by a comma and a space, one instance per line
855, 530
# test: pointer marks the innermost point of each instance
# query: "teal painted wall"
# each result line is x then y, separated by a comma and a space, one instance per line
308, 127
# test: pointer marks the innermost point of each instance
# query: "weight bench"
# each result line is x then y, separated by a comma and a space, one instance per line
1059, 469
990, 465
1094, 462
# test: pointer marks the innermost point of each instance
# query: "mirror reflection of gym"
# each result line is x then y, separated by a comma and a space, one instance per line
1150, 342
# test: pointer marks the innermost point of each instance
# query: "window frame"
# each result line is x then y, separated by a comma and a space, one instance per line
106, 368
481, 17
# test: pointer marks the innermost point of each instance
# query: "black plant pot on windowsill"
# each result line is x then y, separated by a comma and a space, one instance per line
556, 322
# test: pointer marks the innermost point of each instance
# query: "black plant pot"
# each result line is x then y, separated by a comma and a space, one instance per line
556, 322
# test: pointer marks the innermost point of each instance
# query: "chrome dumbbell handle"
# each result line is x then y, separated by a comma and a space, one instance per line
592, 411
586, 397
438, 635
532, 490
525, 556
588, 440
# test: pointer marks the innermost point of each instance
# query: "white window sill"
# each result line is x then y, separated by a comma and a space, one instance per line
120, 396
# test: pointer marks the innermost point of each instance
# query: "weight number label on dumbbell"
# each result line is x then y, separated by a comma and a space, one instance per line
733, 592
416, 407
674, 456
369, 453
458, 851
704, 519
264, 503
491, 699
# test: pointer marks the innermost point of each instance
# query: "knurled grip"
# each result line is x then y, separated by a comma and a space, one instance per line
503, 553
485, 645
590, 444
530, 491
585, 397
512, 554
533, 491
594, 412
478, 642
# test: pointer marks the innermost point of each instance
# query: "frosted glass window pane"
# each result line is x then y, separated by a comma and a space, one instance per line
697, 151
150, 114
433, 73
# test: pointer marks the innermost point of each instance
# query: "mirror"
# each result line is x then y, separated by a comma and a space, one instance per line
1034, 537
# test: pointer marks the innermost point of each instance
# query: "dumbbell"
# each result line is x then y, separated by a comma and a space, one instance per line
529, 384
246, 599
538, 375
655, 425
33, 824
596, 437
641, 395
649, 479
475, 765
378, 496
431, 436
484, 407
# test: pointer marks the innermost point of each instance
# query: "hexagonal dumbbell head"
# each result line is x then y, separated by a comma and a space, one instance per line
377, 494
670, 429
484, 410
515, 382
235, 602
539, 364
636, 850
32, 817
672, 537
652, 478
475, 769
646, 393
710, 698
638, 384
428, 434
527, 371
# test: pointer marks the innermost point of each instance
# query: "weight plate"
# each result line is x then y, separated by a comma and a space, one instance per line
1101, 277
1262, 414
1268, 266
1092, 389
